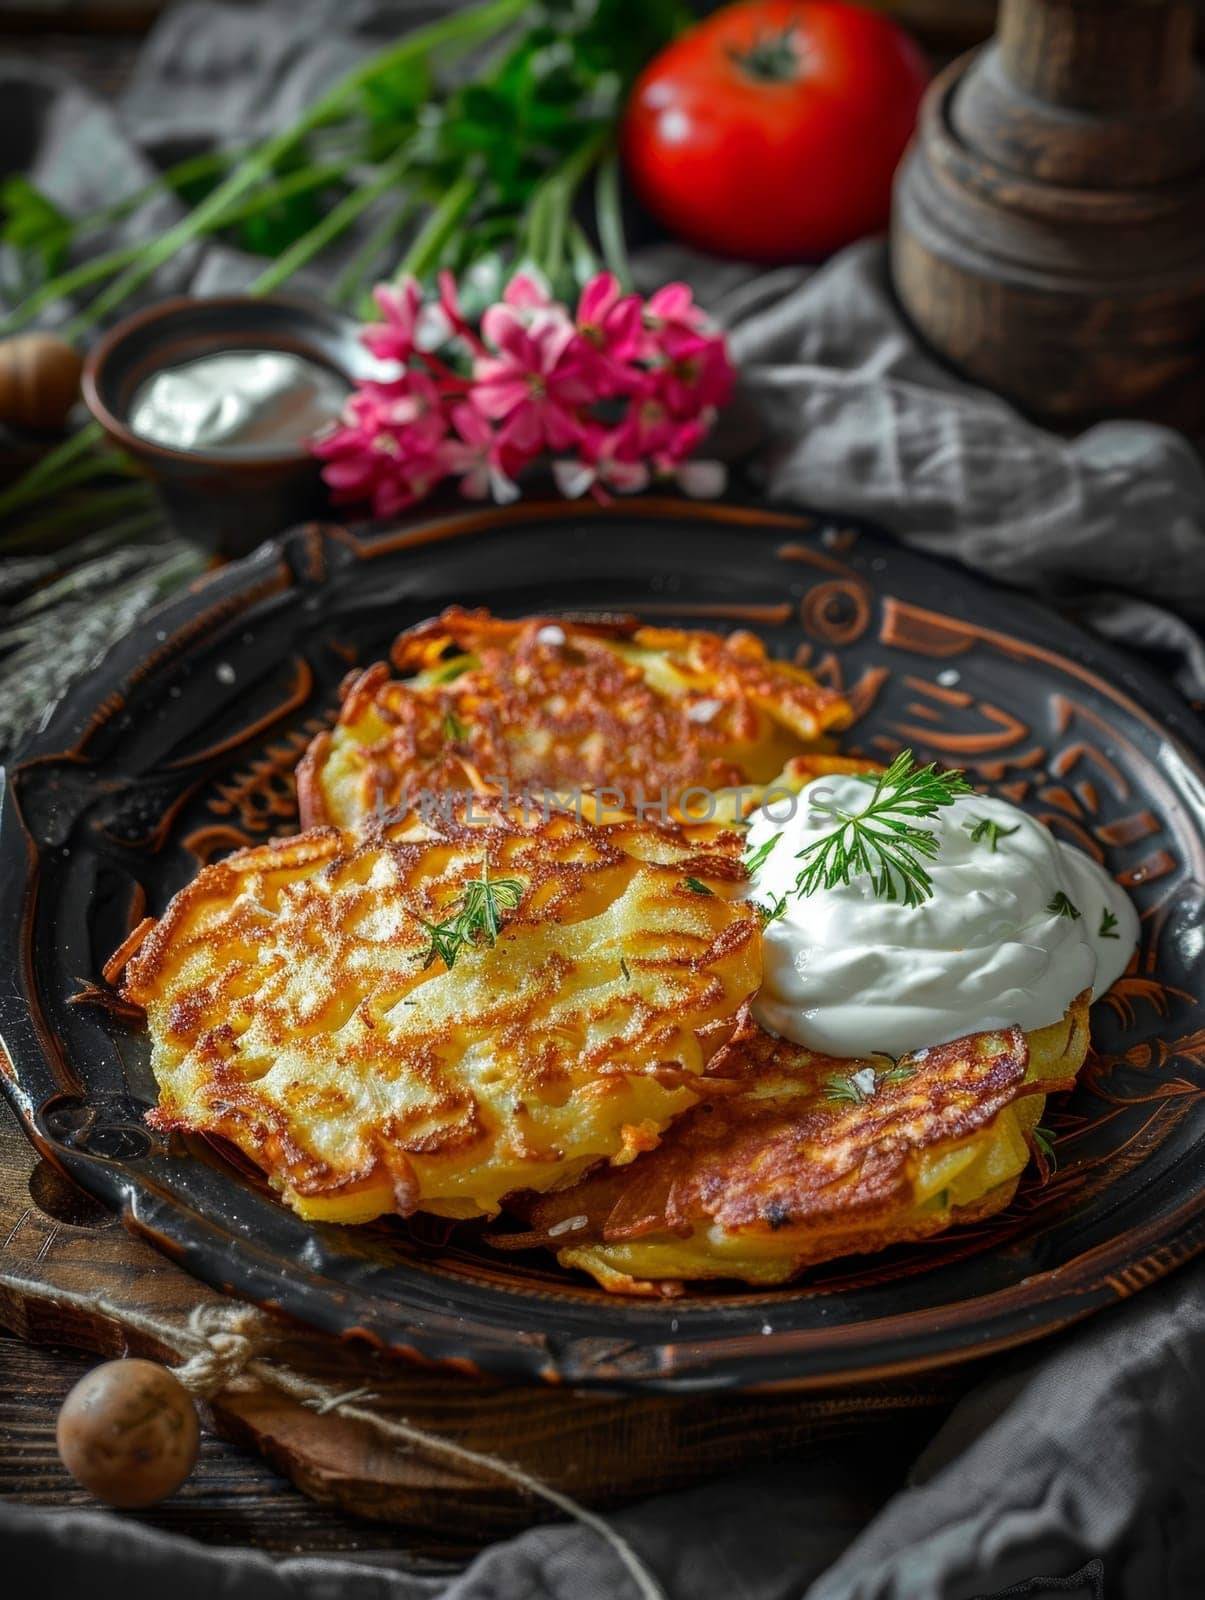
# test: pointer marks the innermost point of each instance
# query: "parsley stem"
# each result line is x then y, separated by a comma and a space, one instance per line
183, 173
105, 266
427, 247
549, 209
355, 275
461, 29
584, 260
336, 221
608, 211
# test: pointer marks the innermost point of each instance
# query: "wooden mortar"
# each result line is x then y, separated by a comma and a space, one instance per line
1048, 237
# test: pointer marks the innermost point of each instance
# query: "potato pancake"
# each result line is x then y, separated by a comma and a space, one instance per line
550, 703
797, 1158
431, 1013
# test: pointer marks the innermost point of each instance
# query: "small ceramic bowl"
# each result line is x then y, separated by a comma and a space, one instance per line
226, 501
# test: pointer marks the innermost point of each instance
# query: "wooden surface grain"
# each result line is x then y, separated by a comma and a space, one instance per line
232, 1498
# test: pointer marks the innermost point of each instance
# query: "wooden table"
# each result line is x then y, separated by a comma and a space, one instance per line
232, 1498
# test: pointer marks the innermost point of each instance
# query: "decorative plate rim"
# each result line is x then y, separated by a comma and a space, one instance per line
813, 1358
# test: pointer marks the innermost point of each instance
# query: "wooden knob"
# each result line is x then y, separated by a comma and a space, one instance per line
128, 1433
39, 381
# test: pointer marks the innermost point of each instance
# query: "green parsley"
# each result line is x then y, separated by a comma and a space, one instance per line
454, 729
981, 828
480, 916
1108, 926
1060, 906
696, 887
882, 841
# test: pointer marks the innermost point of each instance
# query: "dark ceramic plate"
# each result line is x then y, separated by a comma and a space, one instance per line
181, 746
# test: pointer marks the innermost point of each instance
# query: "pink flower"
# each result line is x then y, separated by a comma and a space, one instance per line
394, 339
673, 308
689, 360
696, 377
476, 457
411, 402
535, 382
611, 329
621, 392
647, 427
600, 464
526, 293
388, 446
449, 305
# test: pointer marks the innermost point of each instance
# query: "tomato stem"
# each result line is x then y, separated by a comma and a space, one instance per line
772, 57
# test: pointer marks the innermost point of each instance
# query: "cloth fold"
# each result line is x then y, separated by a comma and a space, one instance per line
1089, 1448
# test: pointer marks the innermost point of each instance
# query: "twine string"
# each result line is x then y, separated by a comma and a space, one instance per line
224, 1343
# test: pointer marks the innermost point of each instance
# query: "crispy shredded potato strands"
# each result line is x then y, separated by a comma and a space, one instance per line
548, 703
294, 1012
783, 1166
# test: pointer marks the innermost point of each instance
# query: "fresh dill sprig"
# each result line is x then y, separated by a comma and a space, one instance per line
752, 861
771, 913
480, 915
696, 887
1108, 926
882, 840
755, 859
981, 828
1060, 906
454, 729
847, 1089
856, 1088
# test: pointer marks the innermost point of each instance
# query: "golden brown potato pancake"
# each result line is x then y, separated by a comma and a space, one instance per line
550, 703
797, 1158
299, 1006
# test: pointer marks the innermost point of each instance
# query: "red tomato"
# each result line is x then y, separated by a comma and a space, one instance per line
772, 130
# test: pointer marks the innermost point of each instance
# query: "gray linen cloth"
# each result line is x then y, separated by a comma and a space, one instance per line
1079, 1468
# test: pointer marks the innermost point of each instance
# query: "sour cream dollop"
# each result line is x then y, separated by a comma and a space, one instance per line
848, 973
237, 401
